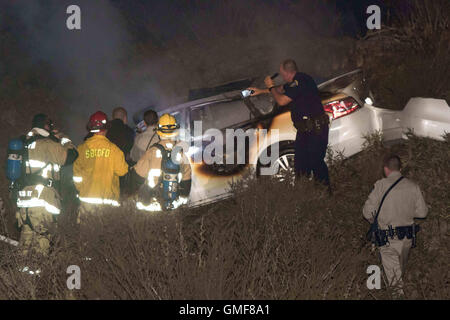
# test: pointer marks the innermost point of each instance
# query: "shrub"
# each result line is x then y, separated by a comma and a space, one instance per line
410, 55
271, 240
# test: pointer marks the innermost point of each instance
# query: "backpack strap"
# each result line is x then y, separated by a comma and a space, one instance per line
148, 145
161, 148
163, 153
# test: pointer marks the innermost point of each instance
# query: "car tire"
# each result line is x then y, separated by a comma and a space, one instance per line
284, 164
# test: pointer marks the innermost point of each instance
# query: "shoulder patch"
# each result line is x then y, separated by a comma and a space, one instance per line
294, 84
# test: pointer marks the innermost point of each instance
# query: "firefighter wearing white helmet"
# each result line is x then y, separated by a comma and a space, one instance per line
38, 199
166, 169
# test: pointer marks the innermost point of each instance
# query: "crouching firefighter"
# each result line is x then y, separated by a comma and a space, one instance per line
391, 208
166, 170
34, 165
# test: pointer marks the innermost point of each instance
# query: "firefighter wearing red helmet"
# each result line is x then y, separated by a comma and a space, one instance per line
98, 122
98, 168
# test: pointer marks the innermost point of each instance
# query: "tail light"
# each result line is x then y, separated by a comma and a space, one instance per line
340, 108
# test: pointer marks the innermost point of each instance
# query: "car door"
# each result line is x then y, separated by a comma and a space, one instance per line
208, 123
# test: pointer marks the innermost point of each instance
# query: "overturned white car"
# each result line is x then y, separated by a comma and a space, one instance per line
346, 99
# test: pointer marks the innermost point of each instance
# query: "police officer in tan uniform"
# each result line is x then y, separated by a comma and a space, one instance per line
396, 219
146, 139
38, 199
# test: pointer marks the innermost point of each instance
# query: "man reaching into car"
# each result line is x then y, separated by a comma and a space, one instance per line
308, 116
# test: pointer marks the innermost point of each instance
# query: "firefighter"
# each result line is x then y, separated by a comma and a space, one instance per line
97, 170
38, 199
166, 169
308, 116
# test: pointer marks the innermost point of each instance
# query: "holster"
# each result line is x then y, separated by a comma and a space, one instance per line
312, 124
376, 236
410, 232
380, 238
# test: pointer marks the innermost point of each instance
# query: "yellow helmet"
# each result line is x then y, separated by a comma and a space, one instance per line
167, 126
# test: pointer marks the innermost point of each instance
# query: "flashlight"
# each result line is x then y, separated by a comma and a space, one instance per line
274, 76
247, 93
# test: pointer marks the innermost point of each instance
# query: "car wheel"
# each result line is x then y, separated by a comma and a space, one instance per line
284, 165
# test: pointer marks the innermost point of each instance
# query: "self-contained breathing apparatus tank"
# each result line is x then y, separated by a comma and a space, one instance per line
170, 173
15, 158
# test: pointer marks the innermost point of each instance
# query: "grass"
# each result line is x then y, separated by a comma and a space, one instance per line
271, 240
410, 55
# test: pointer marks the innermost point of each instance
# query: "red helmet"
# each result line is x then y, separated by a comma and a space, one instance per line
98, 122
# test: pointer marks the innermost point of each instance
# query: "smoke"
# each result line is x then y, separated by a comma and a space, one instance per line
89, 65
136, 54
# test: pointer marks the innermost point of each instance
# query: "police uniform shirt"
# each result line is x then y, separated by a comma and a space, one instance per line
143, 142
121, 135
403, 203
305, 97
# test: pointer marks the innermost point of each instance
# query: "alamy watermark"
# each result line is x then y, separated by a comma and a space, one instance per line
374, 280
74, 280
374, 20
73, 22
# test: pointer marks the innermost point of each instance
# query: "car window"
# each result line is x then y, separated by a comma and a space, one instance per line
263, 102
221, 115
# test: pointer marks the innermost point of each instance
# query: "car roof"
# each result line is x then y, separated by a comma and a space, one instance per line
226, 96
234, 94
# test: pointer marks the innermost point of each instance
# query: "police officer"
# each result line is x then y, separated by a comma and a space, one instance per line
153, 194
96, 172
395, 219
147, 138
38, 201
120, 133
308, 116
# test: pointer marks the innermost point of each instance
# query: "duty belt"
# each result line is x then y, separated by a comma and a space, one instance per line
312, 124
400, 232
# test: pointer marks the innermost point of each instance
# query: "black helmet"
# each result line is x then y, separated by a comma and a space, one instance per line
40, 120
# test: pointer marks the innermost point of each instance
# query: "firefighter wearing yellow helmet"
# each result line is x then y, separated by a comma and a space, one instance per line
166, 169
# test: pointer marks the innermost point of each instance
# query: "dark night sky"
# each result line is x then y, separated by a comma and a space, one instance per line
88, 65
353, 13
